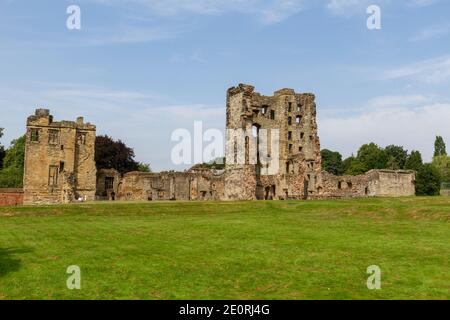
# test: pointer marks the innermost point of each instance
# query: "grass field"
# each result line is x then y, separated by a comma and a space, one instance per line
213, 250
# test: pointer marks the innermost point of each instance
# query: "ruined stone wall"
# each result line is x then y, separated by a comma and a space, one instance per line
286, 117
165, 186
11, 197
375, 183
400, 183
59, 160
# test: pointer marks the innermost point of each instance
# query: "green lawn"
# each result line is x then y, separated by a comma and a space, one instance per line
216, 250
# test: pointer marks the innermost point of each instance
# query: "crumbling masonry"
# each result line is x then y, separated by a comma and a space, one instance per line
60, 165
59, 160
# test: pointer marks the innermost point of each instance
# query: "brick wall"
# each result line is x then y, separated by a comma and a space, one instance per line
11, 197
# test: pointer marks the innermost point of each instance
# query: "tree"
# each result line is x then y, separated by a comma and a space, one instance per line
332, 162
355, 167
428, 181
11, 176
2, 150
371, 156
15, 155
396, 157
144, 167
439, 147
111, 154
414, 161
442, 163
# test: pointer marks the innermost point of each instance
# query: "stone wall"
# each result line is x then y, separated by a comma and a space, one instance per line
199, 184
59, 160
379, 183
11, 197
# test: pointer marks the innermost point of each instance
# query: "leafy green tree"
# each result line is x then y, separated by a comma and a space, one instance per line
371, 156
15, 155
356, 167
2, 150
442, 163
396, 157
11, 176
347, 163
332, 162
439, 147
428, 181
144, 167
414, 161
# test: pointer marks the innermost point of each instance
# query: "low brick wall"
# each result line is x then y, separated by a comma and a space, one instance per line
445, 192
11, 197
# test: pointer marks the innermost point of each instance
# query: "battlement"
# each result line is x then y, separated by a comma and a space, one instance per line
43, 118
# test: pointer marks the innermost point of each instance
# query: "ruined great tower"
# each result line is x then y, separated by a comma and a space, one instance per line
285, 121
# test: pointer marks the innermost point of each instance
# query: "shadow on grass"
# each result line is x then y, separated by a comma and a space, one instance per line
9, 261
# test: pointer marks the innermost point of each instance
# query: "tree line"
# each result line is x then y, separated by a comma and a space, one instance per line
370, 156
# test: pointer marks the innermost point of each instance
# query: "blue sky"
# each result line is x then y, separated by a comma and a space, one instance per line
140, 69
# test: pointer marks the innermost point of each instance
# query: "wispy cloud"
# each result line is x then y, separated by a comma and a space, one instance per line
412, 125
436, 70
396, 101
432, 32
266, 11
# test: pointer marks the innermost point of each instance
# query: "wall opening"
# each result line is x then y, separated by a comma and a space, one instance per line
34, 135
272, 114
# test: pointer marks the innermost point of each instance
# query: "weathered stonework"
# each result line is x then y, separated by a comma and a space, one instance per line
59, 160
286, 116
195, 184
375, 183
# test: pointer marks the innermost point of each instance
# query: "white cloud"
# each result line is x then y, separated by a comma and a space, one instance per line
266, 11
348, 7
432, 71
414, 128
422, 3
432, 32
397, 101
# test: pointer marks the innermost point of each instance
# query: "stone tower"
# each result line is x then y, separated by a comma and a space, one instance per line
272, 148
59, 160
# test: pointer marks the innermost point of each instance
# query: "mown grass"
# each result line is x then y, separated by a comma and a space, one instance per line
217, 250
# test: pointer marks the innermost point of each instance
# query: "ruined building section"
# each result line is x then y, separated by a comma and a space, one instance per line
289, 169
375, 183
194, 184
59, 160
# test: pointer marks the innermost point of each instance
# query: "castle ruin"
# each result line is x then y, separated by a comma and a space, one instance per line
60, 162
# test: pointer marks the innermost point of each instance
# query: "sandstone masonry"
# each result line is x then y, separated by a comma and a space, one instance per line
60, 165
59, 160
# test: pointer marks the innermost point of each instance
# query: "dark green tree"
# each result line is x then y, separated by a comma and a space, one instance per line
414, 161
428, 181
2, 150
332, 162
439, 147
111, 154
396, 157
11, 176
